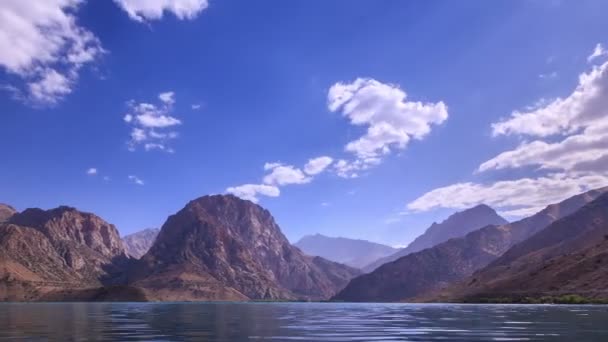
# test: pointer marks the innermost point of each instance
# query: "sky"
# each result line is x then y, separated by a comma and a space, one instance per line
363, 119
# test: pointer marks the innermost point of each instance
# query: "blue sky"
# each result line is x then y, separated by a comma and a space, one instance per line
365, 119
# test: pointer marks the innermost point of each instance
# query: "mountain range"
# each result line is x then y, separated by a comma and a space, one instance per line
456, 225
431, 269
224, 248
569, 256
352, 252
215, 248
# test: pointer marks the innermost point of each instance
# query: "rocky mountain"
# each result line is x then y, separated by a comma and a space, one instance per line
354, 253
42, 251
138, 244
570, 256
456, 225
224, 248
452, 261
6, 211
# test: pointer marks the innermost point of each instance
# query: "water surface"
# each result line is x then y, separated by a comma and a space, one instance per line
300, 321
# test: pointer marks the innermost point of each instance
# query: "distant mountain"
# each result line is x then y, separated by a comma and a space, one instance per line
570, 256
449, 262
224, 248
355, 253
456, 225
6, 211
138, 244
46, 251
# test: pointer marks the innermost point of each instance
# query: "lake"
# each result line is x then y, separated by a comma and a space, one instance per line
300, 322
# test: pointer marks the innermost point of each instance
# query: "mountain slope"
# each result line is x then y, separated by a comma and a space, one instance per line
451, 261
354, 253
6, 211
45, 251
223, 247
456, 225
568, 257
138, 244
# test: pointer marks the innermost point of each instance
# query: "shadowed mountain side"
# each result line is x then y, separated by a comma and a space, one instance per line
452, 261
570, 256
456, 225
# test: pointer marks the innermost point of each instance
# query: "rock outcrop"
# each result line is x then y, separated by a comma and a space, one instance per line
224, 248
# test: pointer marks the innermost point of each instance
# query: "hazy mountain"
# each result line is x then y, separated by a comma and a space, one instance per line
6, 211
223, 247
454, 260
138, 244
58, 249
570, 256
456, 225
355, 253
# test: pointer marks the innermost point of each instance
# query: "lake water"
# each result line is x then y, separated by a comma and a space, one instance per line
300, 321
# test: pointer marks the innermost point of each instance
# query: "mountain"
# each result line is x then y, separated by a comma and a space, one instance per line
354, 253
48, 251
137, 244
570, 256
456, 225
452, 261
224, 248
6, 211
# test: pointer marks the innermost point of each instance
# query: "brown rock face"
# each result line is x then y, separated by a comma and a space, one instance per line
431, 269
6, 211
44, 251
138, 244
222, 247
570, 256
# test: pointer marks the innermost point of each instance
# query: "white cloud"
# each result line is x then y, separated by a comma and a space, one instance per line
284, 175
514, 197
150, 123
167, 98
136, 180
598, 52
317, 165
325, 204
196, 106
580, 123
252, 191
143, 10
44, 48
585, 106
391, 120
92, 171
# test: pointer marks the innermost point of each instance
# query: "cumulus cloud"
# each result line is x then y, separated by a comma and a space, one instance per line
598, 52
284, 175
579, 123
146, 10
390, 119
519, 197
253, 191
43, 48
92, 171
317, 165
152, 125
585, 106
136, 180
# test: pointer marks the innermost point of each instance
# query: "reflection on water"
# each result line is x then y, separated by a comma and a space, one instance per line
300, 321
